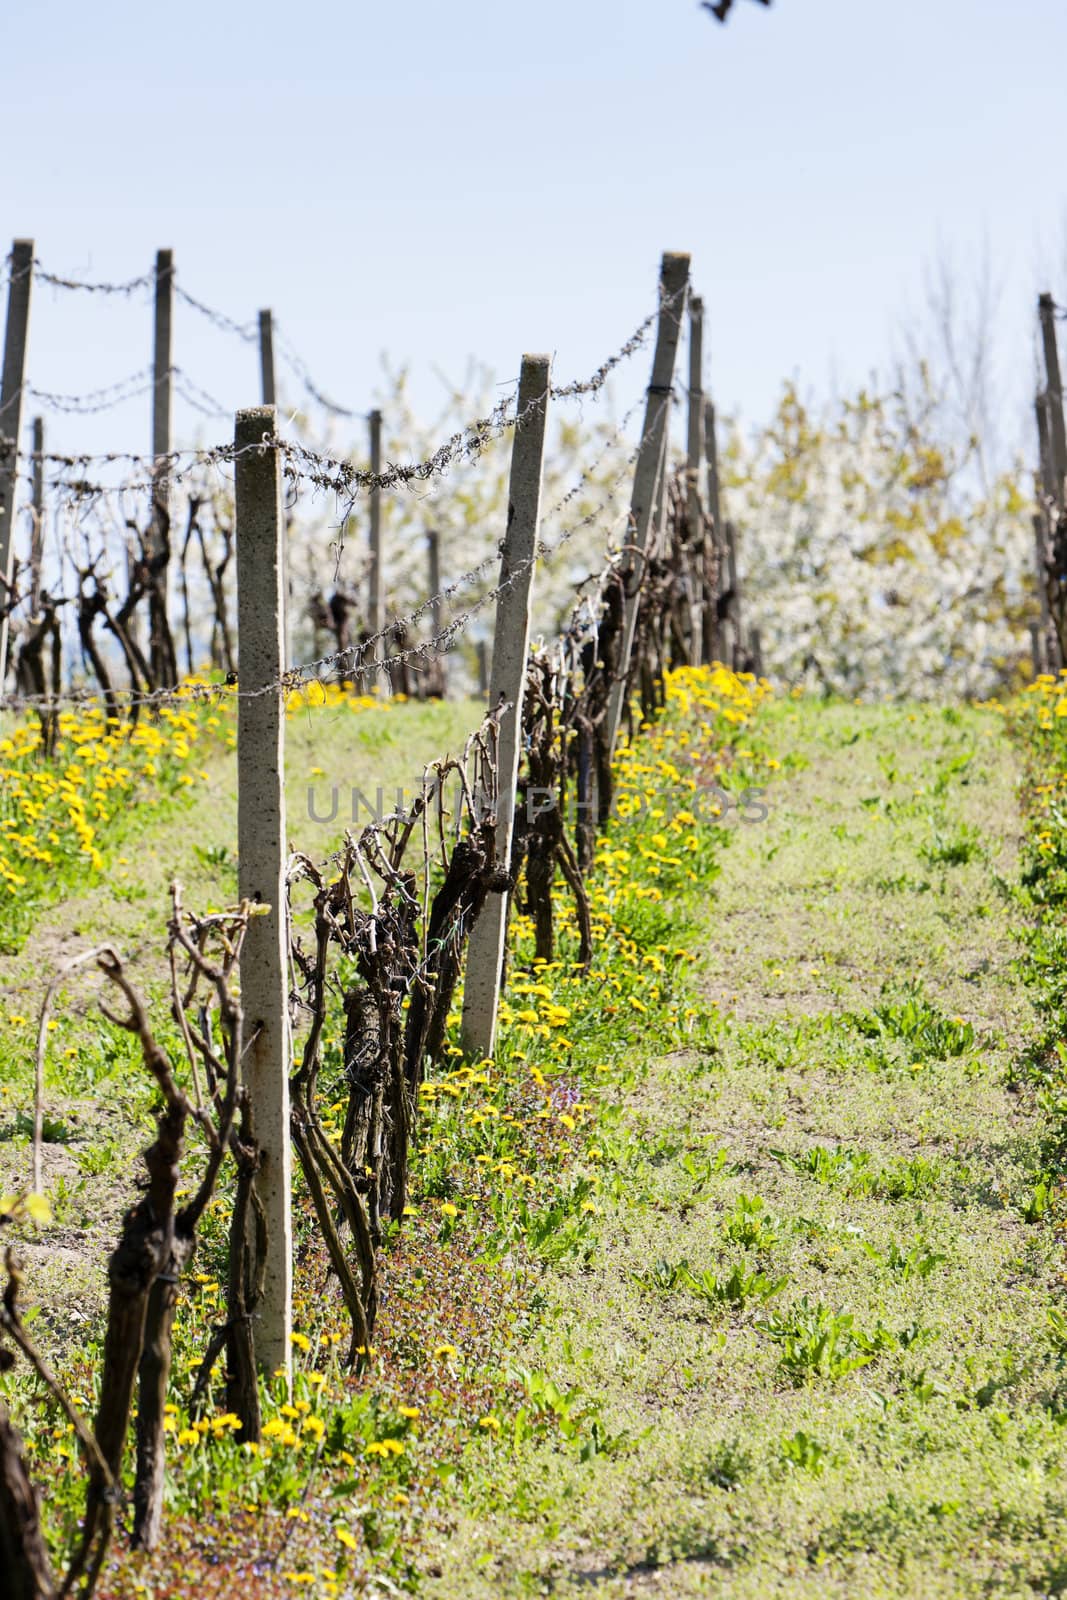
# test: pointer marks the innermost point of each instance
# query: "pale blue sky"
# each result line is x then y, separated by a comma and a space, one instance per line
485, 177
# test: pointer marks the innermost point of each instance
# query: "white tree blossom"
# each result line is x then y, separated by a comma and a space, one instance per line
870, 560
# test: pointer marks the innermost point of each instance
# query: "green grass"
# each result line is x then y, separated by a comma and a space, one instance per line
753, 1292
96, 1092
866, 1393
499, 1200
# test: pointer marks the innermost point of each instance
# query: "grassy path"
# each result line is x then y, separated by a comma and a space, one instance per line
197, 840
817, 1326
98, 1102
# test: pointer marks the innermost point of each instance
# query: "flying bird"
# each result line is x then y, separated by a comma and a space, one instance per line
722, 8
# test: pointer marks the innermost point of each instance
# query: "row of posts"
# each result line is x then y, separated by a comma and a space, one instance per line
263, 603
721, 636
11, 402
261, 725
12, 391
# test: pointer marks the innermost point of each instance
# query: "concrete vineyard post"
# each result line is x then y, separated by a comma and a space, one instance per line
755, 646
433, 556
37, 536
437, 605
734, 591
374, 596
269, 394
162, 398
12, 385
1044, 446
1054, 393
713, 552
711, 446
1043, 531
266, 357
659, 514
1036, 652
261, 846
507, 682
673, 283
694, 456
657, 540
162, 355
1041, 576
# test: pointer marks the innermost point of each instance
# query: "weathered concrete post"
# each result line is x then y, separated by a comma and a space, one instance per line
1044, 446
1058, 433
433, 557
734, 582
269, 393
1043, 524
37, 536
511, 640
12, 384
266, 357
1037, 653
694, 457
162, 398
755, 648
375, 613
673, 282
715, 548
437, 606
261, 847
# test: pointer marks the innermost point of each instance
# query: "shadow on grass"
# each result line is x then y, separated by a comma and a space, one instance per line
696, 1550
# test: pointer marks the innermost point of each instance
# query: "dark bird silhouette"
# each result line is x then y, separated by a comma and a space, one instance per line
722, 8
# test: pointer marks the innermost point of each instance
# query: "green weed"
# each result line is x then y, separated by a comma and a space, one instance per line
573, 1413
820, 1343
219, 857
53, 1129
1039, 1201
702, 1171
725, 1466
751, 1224
802, 1452
96, 1160
920, 1025
953, 849
904, 1179
838, 1166
915, 1261
1057, 1330
736, 1289
664, 1277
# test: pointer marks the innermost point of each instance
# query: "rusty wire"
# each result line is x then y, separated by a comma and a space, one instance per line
95, 400
358, 660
